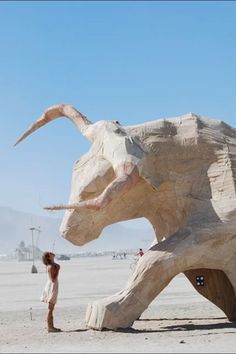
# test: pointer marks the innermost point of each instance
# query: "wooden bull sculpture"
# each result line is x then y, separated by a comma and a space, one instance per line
178, 173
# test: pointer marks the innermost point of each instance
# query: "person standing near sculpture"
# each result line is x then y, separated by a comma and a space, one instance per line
140, 252
50, 292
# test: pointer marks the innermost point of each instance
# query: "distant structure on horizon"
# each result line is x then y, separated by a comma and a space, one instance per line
23, 253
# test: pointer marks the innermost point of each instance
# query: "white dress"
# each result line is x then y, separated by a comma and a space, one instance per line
50, 291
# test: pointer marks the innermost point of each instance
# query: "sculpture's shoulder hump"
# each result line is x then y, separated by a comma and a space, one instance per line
187, 126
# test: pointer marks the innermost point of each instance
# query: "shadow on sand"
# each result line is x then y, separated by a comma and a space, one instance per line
181, 326
172, 328
77, 330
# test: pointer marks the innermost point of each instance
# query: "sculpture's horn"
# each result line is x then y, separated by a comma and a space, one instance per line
57, 111
66, 206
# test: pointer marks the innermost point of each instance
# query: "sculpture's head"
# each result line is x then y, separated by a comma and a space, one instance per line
112, 149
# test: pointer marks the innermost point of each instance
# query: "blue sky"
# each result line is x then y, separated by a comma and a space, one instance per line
131, 61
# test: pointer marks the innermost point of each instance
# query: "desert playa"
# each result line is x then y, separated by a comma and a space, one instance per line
178, 320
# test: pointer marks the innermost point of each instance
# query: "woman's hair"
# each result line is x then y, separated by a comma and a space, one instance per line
46, 258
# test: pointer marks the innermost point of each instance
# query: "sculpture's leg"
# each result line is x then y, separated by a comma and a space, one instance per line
153, 273
216, 287
186, 250
123, 308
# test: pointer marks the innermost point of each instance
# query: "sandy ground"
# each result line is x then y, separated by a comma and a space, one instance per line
179, 320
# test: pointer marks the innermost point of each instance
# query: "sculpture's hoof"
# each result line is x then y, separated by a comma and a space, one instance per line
113, 312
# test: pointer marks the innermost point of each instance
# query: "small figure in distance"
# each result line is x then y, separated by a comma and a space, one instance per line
140, 252
50, 292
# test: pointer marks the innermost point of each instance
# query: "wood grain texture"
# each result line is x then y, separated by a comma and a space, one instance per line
217, 288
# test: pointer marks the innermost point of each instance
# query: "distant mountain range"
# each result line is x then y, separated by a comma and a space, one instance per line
15, 227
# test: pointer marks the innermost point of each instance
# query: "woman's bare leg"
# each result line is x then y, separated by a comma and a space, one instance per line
51, 327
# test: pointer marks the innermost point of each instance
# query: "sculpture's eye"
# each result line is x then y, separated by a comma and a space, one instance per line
119, 131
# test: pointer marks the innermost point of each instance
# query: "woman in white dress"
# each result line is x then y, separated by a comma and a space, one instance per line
50, 291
